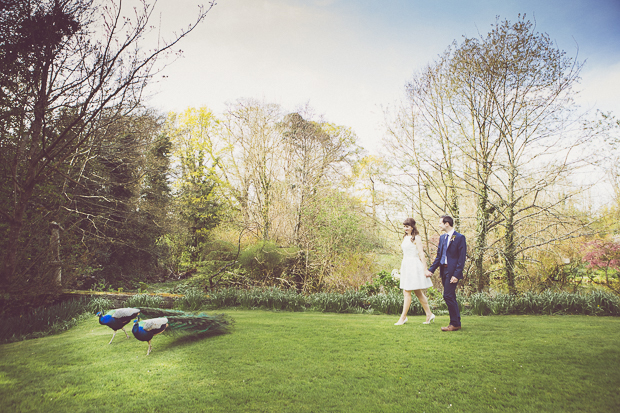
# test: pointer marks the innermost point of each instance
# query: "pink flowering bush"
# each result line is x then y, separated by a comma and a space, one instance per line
604, 255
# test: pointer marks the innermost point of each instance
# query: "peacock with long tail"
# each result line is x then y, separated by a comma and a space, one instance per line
175, 321
117, 319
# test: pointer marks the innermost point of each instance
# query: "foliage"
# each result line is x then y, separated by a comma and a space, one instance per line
70, 88
265, 261
195, 179
383, 282
347, 302
268, 298
597, 302
97, 304
193, 299
143, 300
594, 303
604, 255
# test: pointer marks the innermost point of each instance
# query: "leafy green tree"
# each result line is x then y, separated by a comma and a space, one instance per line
196, 195
72, 69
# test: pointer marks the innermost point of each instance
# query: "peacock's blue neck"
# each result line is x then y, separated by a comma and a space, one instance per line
140, 333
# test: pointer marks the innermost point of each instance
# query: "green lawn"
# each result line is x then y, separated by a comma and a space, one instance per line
284, 361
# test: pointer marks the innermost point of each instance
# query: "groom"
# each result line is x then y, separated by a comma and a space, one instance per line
451, 253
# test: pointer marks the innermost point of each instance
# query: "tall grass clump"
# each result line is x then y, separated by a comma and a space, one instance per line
144, 300
98, 304
43, 320
348, 302
391, 303
271, 298
224, 297
193, 300
597, 302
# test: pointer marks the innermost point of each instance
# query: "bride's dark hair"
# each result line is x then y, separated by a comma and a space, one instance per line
414, 230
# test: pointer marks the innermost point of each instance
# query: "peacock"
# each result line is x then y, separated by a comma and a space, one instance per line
147, 329
117, 319
178, 322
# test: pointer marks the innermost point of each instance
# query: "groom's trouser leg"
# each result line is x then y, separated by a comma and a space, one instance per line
449, 296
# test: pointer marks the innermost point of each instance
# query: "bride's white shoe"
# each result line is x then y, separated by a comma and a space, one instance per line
400, 323
430, 320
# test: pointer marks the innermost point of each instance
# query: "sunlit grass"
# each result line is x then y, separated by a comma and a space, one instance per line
310, 361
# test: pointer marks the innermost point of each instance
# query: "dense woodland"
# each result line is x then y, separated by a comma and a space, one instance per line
101, 189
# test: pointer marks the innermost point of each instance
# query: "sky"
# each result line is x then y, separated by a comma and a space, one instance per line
349, 59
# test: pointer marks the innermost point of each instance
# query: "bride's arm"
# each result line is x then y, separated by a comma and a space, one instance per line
418, 243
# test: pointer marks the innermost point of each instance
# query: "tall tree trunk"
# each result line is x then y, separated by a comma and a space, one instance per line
509, 238
482, 218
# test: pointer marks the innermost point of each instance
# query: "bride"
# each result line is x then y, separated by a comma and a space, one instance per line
412, 272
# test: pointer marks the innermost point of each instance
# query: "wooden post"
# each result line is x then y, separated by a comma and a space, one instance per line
55, 249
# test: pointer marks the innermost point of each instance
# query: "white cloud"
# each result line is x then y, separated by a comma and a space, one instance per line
601, 88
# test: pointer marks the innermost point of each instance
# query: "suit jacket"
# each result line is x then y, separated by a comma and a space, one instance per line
456, 254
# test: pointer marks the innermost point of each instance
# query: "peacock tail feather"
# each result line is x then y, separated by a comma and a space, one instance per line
189, 323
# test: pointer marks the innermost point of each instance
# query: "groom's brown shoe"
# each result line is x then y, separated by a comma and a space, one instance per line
450, 328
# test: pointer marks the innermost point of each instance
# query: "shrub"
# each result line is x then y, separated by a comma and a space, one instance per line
218, 250
265, 260
382, 283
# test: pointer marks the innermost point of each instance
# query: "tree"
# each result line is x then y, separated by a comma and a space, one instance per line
73, 67
313, 151
252, 164
496, 123
532, 93
604, 254
196, 182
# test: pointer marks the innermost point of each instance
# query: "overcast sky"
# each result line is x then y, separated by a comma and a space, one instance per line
348, 58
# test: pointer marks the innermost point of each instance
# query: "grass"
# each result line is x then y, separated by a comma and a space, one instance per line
310, 361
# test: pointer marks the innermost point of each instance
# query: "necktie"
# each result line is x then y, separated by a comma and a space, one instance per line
444, 257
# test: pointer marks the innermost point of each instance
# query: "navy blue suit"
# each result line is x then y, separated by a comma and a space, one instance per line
455, 254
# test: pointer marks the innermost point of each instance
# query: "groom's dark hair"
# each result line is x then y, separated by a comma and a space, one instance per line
448, 219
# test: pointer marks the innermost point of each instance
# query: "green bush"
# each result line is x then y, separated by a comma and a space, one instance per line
217, 250
265, 260
382, 283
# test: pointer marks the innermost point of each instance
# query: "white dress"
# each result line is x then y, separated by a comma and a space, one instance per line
411, 269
